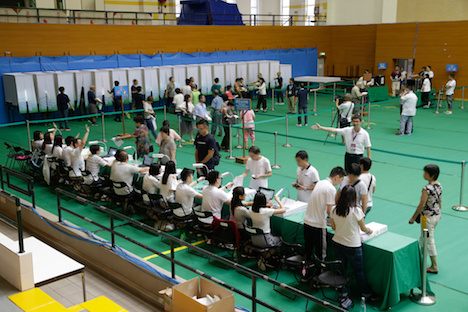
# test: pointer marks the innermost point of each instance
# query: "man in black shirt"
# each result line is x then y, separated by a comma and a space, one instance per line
117, 101
138, 99
134, 91
92, 100
62, 103
205, 148
279, 85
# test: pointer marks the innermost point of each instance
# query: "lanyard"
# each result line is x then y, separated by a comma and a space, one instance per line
354, 137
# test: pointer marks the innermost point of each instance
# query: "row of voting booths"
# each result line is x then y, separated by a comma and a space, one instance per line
36, 92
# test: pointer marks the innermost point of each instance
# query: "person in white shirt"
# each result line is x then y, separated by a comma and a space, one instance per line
359, 186
345, 110
347, 220
449, 91
172, 133
149, 115
356, 140
57, 150
151, 182
307, 177
121, 171
320, 204
38, 139
369, 180
69, 141
364, 83
187, 89
260, 215
94, 164
259, 167
187, 116
239, 213
76, 158
169, 181
408, 101
213, 196
185, 193
178, 99
425, 91
47, 143
357, 97
430, 73
404, 75
262, 93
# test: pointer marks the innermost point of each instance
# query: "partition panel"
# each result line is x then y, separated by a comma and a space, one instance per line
230, 74
83, 80
66, 80
151, 85
206, 78
165, 72
252, 72
46, 92
194, 71
135, 73
218, 72
264, 69
241, 72
24, 97
274, 69
286, 73
180, 74
102, 81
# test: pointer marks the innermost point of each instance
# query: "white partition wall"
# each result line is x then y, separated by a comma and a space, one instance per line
135, 73
180, 74
66, 80
206, 78
164, 73
286, 73
151, 82
83, 80
252, 72
120, 75
241, 72
274, 69
46, 92
19, 90
230, 74
264, 69
218, 72
102, 81
194, 71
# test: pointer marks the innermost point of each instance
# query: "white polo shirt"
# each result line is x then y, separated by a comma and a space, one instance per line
347, 228
261, 219
76, 162
93, 165
426, 85
261, 166
323, 195
171, 185
150, 184
213, 200
346, 110
306, 177
370, 182
66, 155
360, 188
355, 143
184, 195
451, 89
123, 172
409, 103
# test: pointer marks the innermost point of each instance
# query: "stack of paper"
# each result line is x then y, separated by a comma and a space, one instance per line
377, 229
292, 206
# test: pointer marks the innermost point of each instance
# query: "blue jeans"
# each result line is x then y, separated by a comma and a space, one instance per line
302, 110
63, 114
149, 124
406, 123
353, 255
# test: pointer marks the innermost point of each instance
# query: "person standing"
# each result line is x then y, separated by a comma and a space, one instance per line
356, 140
404, 75
319, 205
216, 104
141, 136
395, 77
200, 109
117, 101
345, 110
167, 146
195, 94
279, 86
205, 149
217, 87
170, 92
187, 89
425, 91
369, 180
92, 100
429, 208
62, 104
259, 167
291, 92
360, 188
228, 119
150, 116
357, 97
249, 119
138, 98
409, 100
449, 91
262, 93
134, 91
302, 101
307, 177
430, 73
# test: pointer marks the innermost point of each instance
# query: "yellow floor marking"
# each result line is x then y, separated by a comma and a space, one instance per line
76, 308
102, 304
31, 299
175, 250
52, 307
390, 107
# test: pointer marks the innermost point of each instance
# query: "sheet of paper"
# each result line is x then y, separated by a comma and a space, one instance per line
238, 181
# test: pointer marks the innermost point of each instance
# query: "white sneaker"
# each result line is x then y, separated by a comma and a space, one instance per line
305, 125
298, 125
448, 112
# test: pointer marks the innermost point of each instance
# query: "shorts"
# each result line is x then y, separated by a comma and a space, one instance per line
93, 108
249, 132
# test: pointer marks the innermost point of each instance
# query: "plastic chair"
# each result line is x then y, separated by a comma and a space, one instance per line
261, 251
226, 236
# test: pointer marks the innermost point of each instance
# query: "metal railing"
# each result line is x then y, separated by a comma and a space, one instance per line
254, 275
58, 16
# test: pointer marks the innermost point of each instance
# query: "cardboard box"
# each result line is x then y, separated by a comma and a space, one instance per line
182, 296
167, 297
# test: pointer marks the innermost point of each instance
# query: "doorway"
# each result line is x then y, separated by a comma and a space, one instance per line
321, 66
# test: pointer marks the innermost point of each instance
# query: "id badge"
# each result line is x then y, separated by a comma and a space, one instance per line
353, 147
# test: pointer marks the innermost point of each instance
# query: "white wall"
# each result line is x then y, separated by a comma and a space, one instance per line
389, 11
270, 7
45, 4
355, 12
244, 6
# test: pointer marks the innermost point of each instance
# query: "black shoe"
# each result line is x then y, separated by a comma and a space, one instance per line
373, 297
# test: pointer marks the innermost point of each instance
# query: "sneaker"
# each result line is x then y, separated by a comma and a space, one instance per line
192, 140
67, 129
398, 133
265, 110
62, 129
427, 106
95, 124
408, 134
298, 125
256, 110
261, 264
448, 112
305, 125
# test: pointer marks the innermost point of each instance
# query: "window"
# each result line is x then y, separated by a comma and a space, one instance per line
285, 12
253, 6
178, 8
310, 15
232, 1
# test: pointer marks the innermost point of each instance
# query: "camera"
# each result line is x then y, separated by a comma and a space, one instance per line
340, 99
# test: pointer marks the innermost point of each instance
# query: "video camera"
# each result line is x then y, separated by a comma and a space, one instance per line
340, 98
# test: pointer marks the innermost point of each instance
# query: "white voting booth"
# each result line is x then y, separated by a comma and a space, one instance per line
180, 74
241, 72
218, 72
83, 80
135, 73
274, 69
165, 72
286, 73
206, 78
46, 92
102, 82
194, 71
264, 69
151, 82
19, 91
230, 74
66, 80
120, 75
252, 72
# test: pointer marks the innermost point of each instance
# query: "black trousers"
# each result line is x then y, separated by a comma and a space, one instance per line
227, 134
315, 239
261, 101
351, 159
425, 98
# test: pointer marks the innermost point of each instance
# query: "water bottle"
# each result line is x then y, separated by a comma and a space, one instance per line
363, 304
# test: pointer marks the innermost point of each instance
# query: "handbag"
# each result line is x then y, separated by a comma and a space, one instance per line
188, 115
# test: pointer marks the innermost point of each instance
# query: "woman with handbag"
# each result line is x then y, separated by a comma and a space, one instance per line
187, 116
428, 212
228, 119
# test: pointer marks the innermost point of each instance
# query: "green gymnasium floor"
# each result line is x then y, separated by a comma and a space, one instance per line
398, 163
